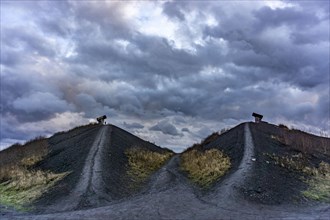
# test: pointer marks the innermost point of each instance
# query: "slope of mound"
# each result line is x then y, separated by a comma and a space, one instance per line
228, 144
67, 153
99, 169
231, 143
270, 165
169, 195
113, 174
82, 168
280, 170
115, 167
23, 174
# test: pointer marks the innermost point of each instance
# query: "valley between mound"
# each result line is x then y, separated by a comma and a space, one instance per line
98, 187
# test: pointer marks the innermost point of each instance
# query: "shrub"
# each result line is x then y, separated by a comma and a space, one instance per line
303, 141
20, 183
283, 126
318, 177
319, 184
142, 162
296, 162
25, 186
32, 150
204, 168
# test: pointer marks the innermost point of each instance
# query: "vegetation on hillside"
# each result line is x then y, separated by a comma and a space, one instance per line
317, 178
205, 167
20, 182
319, 184
212, 137
302, 141
142, 162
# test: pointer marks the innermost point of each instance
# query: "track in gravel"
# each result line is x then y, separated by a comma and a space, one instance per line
228, 189
169, 175
90, 187
171, 196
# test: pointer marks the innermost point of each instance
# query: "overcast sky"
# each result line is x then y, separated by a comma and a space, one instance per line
169, 72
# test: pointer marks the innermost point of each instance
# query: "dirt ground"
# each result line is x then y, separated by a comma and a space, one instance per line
269, 183
252, 189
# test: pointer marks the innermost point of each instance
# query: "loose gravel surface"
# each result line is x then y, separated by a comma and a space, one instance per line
90, 187
269, 183
170, 195
68, 153
227, 191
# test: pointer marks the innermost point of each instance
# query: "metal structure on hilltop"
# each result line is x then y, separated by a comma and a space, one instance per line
101, 119
257, 117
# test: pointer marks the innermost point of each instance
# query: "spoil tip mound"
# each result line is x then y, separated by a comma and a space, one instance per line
216, 157
287, 166
21, 180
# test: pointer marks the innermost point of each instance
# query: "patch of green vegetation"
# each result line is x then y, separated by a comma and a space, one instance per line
319, 184
25, 186
20, 183
142, 162
205, 167
318, 177
295, 162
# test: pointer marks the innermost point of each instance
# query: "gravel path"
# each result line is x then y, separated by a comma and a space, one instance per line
165, 177
227, 192
90, 187
172, 197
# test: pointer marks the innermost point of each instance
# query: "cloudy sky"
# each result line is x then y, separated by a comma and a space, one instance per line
169, 72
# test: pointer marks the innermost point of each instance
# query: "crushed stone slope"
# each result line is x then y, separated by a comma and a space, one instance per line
90, 186
171, 196
119, 186
228, 190
98, 166
68, 153
270, 183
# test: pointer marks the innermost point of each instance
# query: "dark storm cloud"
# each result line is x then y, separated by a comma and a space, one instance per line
165, 127
143, 61
97, 58
92, 108
27, 41
268, 17
269, 44
204, 132
41, 102
106, 16
172, 10
9, 58
133, 125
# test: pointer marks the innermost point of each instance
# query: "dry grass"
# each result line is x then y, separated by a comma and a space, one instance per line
25, 186
15, 161
319, 184
34, 149
21, 178
303, 141
204, 168
20, 182
295, 162
318, 177
142, 162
